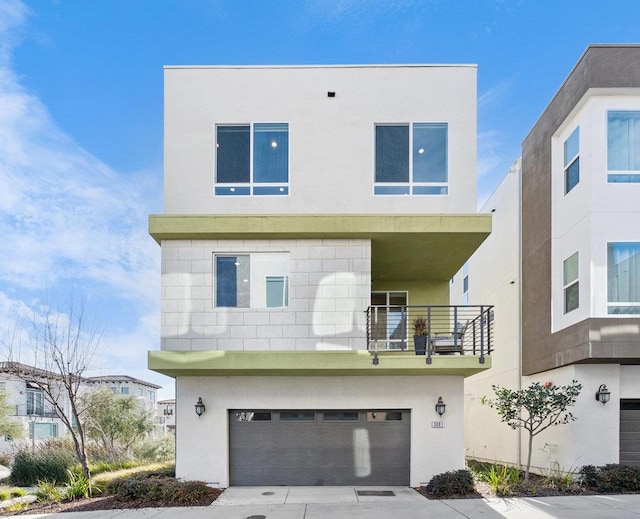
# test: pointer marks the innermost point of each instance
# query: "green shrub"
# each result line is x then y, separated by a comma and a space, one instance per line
155, 449
458, 482
502, 479
48, 492
160, 489
611, 478
46, 464
77, 487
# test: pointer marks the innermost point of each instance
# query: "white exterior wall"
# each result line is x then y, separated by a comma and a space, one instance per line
433, 450
331, 140
329, 291
494, 280
594, 212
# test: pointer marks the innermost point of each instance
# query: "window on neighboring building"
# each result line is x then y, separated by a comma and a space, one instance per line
124, 390
43, 431
571, 285
259, 280
465, 284
139, 391
252, 159
151, 395
113, 389
623, 146
572, 161
623, 278
411, 159
35, 402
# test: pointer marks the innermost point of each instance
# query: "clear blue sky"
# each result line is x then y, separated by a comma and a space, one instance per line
81, 116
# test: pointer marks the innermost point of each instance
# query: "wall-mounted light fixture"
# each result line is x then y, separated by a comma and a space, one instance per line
603, 394
200, 408
440, 406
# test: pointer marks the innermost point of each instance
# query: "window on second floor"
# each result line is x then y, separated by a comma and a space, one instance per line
35, 402
570, 283
252, 159
124, 390
623, 146
411, 159
623, 278
572, 161
258, 280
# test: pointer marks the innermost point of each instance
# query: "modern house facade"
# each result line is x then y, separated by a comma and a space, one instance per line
311, 215
146, 393
575, 264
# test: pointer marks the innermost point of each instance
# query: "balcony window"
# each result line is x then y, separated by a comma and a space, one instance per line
623, 146
623, 278
258, 280
411, 159
571, 285
252, 159
35, 402
572, 161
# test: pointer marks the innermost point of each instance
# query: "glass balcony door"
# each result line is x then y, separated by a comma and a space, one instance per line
389, 320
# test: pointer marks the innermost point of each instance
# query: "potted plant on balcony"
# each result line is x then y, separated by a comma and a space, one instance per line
420, 335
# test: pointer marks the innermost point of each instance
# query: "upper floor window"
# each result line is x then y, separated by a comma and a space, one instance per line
572, 161
411, 159
124, 390
259, 280
623, 278
252, 159
623, 146
35, 402
570, 283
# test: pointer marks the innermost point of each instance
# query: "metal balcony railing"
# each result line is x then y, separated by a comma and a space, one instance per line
430, 330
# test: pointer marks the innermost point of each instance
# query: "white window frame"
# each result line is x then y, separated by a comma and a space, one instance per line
568, 284
621, 176
410, 184
569, 161
613, 304
283, 187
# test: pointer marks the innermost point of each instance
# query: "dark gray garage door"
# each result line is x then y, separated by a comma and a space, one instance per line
310, 447
630, 432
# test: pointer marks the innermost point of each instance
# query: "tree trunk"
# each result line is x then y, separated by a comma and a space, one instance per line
526, 472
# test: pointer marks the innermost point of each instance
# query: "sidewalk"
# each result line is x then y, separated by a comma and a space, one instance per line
348, 503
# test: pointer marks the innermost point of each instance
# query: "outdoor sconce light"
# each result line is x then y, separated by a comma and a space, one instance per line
440, 406
603, 394
199, 407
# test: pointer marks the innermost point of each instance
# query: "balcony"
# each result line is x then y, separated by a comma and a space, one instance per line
430, 330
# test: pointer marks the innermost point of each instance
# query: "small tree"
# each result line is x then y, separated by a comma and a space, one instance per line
8, 426
535, 408
53, 349
115, 421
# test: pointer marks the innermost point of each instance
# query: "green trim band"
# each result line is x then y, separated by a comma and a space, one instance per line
310, 363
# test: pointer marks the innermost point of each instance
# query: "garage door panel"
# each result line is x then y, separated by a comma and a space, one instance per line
334, 451
630, 432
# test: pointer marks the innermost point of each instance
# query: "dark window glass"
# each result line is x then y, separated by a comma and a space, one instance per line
384, 416
252, 416
571, 297
430, 152
232, 154
271, 153
232, 281
572, 176
392, 153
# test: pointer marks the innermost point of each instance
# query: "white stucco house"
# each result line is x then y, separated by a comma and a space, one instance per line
311, 214
562, 267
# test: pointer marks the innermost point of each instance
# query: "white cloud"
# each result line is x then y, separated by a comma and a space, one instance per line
67, 218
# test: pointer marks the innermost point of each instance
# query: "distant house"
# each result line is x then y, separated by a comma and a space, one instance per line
311, 214
562, 268
166, 415
145, 392
38, 416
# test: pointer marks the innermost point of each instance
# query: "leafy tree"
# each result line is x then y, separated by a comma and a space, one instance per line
535, 408
8, 426
115, 421
52, 349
